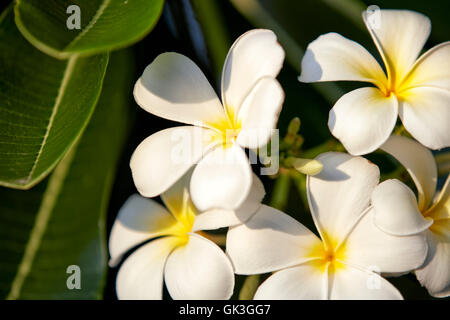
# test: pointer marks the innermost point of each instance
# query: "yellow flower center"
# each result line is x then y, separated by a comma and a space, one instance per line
227, 127
391, 85
185, 217
328, 255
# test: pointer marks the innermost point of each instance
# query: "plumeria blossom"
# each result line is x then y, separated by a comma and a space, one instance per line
345, 262
193, 266
398, 212
173, 87
416, 89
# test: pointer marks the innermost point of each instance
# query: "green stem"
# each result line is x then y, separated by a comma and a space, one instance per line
258, 16
280, 192
300, 183
249, 287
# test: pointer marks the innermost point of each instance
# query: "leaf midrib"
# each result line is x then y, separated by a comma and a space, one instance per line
89, 26
66, 77
49, 199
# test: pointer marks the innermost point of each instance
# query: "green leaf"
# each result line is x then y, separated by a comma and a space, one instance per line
104, 24
45, 104
61, 221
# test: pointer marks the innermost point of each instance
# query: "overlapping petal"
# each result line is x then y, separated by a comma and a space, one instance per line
425, 113
303, 282
178, 200
363, 119
254, 55
141, 275
340, 193
435, 273
174, 88
355, 284
332, 57
432, 69
259, 113
165, 156
370, 248
199, 270
396, 211
222, 179
221, 218
138, 220
399, 36
440, 210
419, 162
271, 240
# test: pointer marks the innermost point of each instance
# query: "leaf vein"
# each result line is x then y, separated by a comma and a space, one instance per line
91, 23
62, 88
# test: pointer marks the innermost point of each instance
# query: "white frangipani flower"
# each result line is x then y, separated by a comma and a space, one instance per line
398, 212
173, 87
346, 261
418, 90
193, 266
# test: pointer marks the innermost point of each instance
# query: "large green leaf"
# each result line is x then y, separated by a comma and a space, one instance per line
105, 24
45, 105
61, 221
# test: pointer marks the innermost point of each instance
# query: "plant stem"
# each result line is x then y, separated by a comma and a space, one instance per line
280, 192
249, 287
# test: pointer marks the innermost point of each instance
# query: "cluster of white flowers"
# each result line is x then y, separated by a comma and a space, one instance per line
367, 229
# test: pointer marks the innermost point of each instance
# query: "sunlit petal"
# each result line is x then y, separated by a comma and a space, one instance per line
174, 88
254, 55
363, 119
331, 57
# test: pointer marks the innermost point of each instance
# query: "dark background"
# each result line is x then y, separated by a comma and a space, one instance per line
305, 20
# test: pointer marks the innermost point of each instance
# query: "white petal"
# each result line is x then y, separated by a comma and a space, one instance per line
222, 179
174, 88
269, 241
141, 275
396, 211
221, 218
161, 159
440, 210
399, 36
303, 282
259, 113
419, 162
363, 119
178, 200
425, 113
332, 57
254, 55
354, 284
138, 220
435, 274
340, 193
432, 69
199, 270
370, 248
